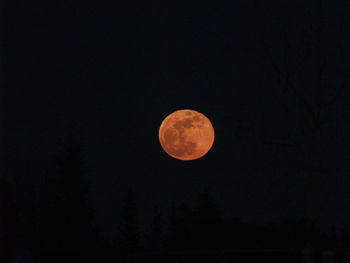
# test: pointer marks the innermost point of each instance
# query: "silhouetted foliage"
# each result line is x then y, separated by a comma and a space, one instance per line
170, 237
8, 221
16, 190
50, 213
197, 228
129, 229
207, 211
184, 230
203, 228
156, 229
68, 228
318, 81
207, 219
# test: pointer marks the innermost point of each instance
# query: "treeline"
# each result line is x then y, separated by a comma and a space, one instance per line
50, 214
202, 228
46, 211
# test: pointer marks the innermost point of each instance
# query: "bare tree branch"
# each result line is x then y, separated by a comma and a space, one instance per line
315, 106
341, 47
289, 82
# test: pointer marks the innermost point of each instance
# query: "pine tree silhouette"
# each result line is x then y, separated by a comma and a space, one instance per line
70, 213
129, 228
8, 222
207, 219
207, 210
171, 239
14, 202
156, 228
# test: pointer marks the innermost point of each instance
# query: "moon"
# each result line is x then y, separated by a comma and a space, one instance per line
186, 135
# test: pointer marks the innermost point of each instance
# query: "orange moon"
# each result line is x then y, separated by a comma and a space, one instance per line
186, 135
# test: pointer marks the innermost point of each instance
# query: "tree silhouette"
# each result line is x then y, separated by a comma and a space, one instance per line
198, 228
180, 229
171, 238
69, 214
207, 210
315, 72
207, 218
16, 192
8, 221
156, 229
129, 233
185, 227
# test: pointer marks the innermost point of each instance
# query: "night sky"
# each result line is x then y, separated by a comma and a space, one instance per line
114, 71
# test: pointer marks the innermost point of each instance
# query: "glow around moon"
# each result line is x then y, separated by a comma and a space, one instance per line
186, 135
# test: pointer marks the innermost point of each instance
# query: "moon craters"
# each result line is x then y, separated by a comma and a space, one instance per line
186, 135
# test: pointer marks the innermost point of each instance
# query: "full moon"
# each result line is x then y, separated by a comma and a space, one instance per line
186, 135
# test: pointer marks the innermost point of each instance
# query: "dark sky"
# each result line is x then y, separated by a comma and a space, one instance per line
116, 70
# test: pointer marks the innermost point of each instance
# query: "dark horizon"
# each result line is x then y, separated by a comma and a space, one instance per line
272, 78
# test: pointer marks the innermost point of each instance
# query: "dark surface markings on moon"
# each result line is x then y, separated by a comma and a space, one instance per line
176, 139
